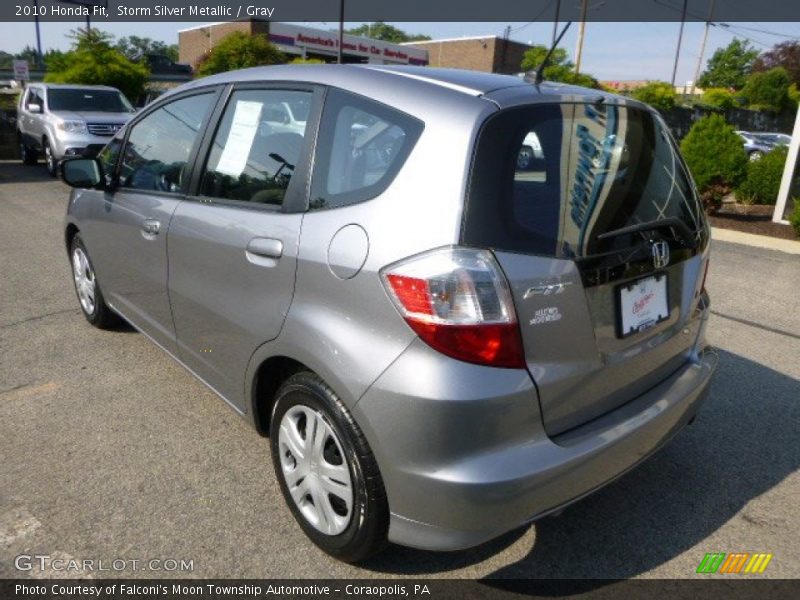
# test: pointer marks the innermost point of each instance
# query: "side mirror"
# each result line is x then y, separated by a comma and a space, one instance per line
81, 172
35, 108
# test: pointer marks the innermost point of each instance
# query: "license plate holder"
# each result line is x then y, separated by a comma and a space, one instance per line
642, 304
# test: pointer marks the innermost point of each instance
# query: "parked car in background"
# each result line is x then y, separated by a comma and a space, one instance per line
775, 139
161, 64
442, 346
754, 145
68, 121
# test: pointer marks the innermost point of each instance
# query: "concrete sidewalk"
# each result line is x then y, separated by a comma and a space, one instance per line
759, 241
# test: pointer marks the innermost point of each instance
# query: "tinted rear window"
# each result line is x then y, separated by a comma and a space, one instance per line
549, 179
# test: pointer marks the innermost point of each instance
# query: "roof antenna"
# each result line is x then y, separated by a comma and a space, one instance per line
538, 75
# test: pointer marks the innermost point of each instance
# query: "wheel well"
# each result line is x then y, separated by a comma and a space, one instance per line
70, 233
269, 377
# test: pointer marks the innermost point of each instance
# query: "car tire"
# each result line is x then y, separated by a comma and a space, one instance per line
319, 450
26, 154
49, 159
90, 298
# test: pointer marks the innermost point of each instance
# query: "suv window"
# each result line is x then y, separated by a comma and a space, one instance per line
362, 146
592, 169
159, 145
85, 100
256, 148
34, 97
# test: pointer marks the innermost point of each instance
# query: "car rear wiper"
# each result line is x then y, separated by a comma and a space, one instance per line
686, 234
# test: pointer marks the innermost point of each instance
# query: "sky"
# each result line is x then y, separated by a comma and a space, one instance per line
611, 51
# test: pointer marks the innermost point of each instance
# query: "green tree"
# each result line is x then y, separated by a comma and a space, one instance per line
388, 33
658, 94
94, 61
715, 156
729, 67
239, 51
559, 69
134, 46
768, 90
719, 98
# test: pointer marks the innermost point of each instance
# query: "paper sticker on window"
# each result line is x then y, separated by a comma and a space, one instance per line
240, 139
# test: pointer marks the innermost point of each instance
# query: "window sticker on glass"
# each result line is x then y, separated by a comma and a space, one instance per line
240, 139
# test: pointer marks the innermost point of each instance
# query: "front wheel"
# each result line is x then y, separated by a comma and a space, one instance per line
93, 306
50, 159
326, 470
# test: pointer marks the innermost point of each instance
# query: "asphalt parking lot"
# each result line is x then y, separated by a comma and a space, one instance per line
110, 450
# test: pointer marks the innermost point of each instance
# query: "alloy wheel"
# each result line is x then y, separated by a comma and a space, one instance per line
84, 280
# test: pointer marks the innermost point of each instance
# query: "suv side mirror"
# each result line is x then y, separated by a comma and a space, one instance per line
35, 108
81, 172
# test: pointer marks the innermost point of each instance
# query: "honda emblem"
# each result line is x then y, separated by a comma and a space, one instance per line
660, 251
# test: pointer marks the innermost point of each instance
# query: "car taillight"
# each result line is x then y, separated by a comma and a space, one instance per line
458, 302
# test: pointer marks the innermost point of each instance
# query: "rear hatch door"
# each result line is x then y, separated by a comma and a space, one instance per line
601, 236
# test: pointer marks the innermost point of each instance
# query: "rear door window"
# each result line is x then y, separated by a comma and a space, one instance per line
256, 148
362, 146
552, 179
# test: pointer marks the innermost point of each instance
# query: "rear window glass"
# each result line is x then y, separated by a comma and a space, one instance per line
550, 179
362, 146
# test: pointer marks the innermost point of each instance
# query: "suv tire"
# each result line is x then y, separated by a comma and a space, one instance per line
343, 444
49, 159
26, 154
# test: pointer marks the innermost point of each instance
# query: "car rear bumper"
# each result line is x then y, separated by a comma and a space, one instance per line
459, 472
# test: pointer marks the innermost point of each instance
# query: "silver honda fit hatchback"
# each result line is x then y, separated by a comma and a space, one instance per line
443, 342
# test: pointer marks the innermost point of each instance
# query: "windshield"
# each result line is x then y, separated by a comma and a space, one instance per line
88, 100
552, 179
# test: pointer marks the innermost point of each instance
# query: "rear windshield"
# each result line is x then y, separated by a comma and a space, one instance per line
550, 179
88, 100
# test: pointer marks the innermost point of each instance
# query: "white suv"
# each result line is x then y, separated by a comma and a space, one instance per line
68, 121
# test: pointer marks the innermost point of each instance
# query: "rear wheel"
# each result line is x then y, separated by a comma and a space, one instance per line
524, 158
50, 160
26, 154
327, 472
93, 305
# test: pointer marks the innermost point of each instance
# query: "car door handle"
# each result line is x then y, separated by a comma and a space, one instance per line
264, 252
266, 247
151, 226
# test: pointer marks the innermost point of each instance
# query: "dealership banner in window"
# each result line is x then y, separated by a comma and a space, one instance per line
789, 195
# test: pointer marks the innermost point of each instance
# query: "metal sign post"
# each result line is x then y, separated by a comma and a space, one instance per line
790, 171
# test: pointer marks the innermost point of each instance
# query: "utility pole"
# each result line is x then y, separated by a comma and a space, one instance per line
341, 31
39, 64
680, 38
581, 31
555, 23
702, 48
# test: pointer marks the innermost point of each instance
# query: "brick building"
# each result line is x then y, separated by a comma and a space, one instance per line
299, 41
488, 53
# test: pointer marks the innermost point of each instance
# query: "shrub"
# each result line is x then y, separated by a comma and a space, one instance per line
718, 98
658, 94
239, 51
306, 61
763, 178
716, 158
794, 216
768, 90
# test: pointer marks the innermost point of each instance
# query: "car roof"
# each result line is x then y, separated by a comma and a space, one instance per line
410, 88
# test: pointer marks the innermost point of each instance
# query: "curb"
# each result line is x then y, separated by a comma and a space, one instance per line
758, 241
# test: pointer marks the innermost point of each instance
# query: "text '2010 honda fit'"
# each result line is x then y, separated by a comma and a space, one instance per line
442, 341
